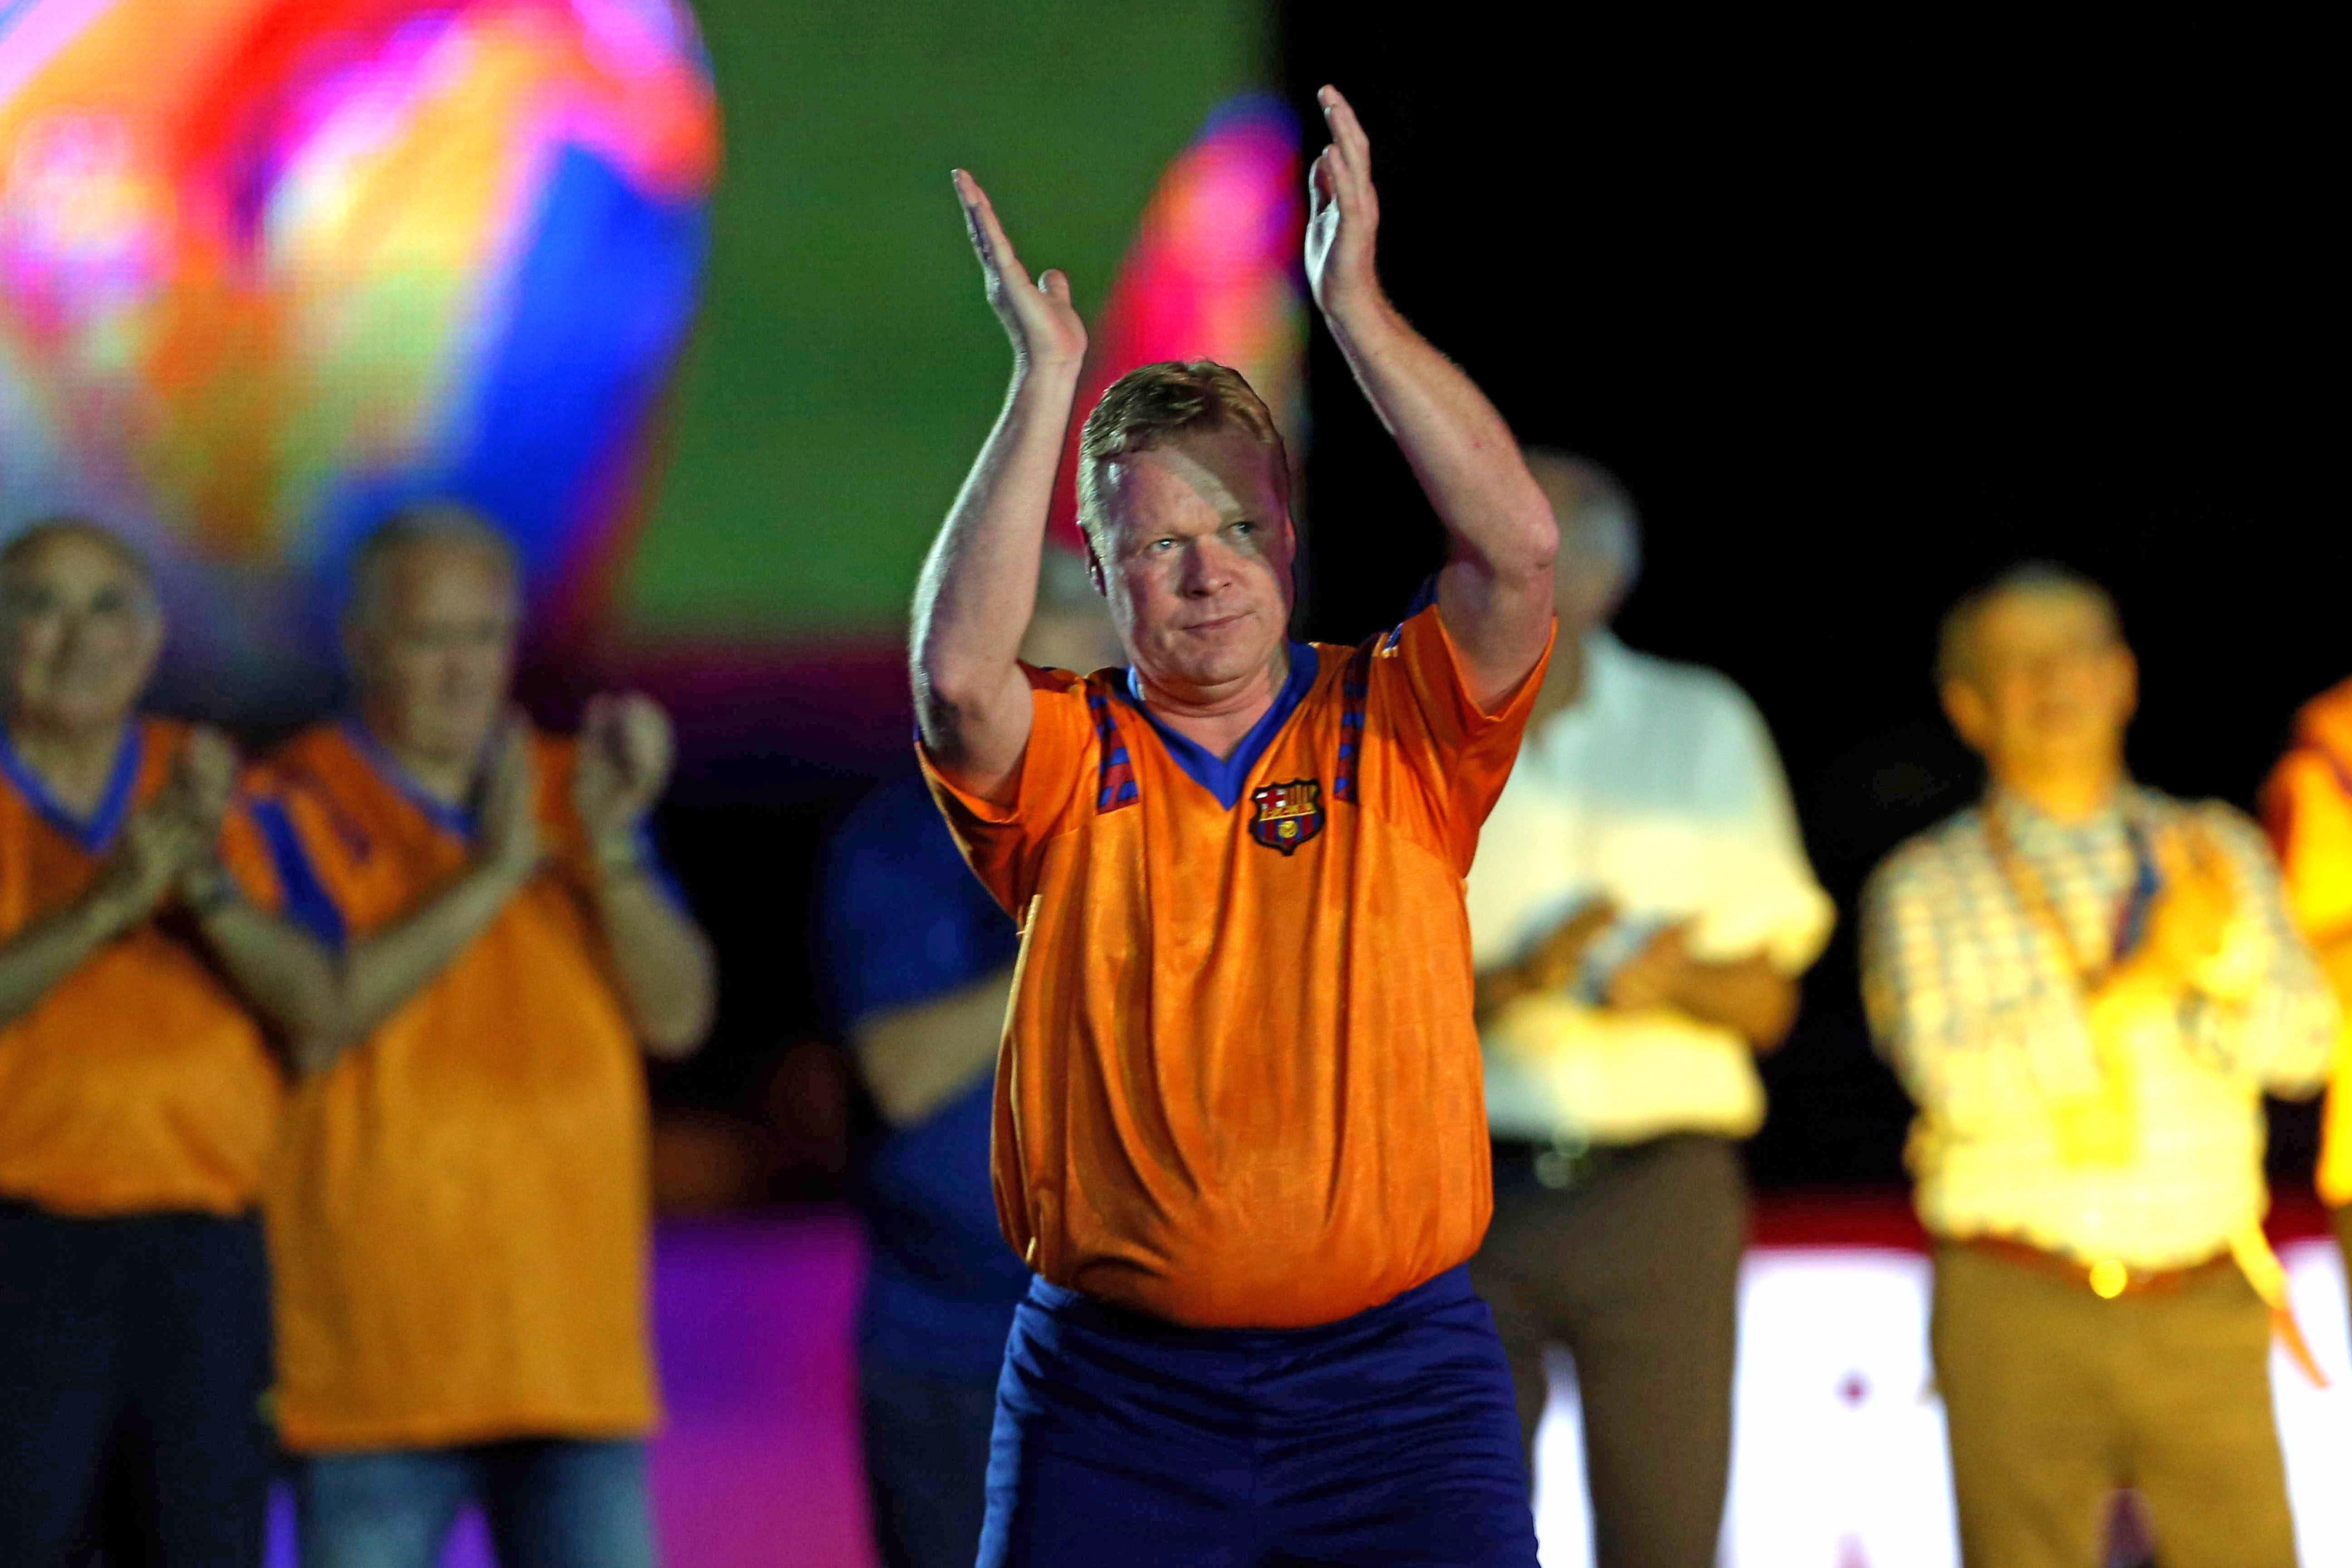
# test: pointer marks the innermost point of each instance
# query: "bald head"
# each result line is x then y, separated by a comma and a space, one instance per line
430, 533
67, 528
435, 614
80, 628
1600, 535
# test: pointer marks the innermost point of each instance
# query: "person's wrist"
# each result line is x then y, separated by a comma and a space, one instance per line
511, 861
206, 888
1358, 309
618, 854
1047, 372
1542, 973
1677, 991
114, 905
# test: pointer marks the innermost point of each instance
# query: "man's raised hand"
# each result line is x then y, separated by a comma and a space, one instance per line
1044, 327
1343, 213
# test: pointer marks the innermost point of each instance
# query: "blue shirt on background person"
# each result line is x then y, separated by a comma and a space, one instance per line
903, 922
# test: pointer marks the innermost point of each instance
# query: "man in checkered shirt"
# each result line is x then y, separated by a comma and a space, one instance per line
2087, 986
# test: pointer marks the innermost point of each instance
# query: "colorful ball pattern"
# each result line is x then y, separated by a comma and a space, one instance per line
1214, 272
269, 268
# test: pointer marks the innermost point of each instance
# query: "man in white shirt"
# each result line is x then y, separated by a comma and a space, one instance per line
1640, 910
2087, 986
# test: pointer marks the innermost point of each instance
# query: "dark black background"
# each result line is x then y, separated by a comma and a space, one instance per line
1861, 315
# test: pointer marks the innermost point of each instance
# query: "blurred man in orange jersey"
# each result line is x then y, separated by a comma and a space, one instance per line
1239, 1129
138, 1097
458, 1222
2308, 806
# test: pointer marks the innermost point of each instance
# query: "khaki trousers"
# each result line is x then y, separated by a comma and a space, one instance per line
1637, 1273
2054, 1398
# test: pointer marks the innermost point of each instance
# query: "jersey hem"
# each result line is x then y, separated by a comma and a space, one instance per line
326, 1438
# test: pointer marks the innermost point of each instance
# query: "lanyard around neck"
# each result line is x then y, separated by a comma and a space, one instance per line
2025, 885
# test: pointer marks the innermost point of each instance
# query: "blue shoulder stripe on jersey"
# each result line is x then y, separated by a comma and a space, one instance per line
95, 832
307, 902
1225, 776
1115, 782
1355, 694
454, 819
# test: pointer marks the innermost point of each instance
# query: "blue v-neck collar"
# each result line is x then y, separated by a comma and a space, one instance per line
449, 818
96, 831
1225, 776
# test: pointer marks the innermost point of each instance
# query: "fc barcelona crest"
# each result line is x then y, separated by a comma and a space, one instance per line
1289, 814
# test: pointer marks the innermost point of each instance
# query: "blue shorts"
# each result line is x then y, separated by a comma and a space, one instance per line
1388, 1438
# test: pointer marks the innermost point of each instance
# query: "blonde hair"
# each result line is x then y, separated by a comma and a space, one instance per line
1157, 403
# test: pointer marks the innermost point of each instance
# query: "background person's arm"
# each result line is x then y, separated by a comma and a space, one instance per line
661, 961
1495, 591
1970, 1062
1547, 966
135, 880
660, 957
916, 1059
327, 1002
1745, 995
158, 843
978, 586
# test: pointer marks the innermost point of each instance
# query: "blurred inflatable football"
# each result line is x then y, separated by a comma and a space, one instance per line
270, 267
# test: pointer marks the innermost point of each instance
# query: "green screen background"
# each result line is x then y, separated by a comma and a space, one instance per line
846, 367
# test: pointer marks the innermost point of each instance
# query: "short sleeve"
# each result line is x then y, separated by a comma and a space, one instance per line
1769, 897
1005, 842
901, 919
303, 897
319, 859
1463, 753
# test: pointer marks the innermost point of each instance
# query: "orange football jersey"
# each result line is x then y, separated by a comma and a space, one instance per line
140, 1083
1240, 1083
2308, 806
458, 1217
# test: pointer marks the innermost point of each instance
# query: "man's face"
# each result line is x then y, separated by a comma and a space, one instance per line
2050, 684
80, 633
1586, 591
434, 650
1198, 548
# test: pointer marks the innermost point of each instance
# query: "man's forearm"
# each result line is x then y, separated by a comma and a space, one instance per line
35, 959
378, 974
916, 1058
1461, 450
660, 959
1748, 996
292, 978
1496, 989
978, 586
